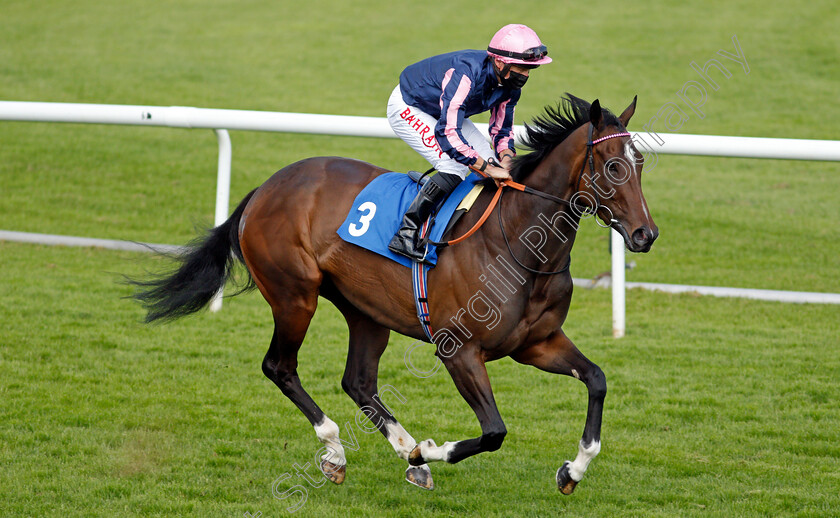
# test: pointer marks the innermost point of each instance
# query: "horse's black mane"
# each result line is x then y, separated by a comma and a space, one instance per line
551, 128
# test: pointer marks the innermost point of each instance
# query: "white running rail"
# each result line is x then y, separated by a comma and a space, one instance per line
222, 120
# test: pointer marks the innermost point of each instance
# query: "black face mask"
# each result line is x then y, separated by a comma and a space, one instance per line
515, 80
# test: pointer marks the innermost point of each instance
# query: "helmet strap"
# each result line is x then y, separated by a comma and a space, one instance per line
501, 73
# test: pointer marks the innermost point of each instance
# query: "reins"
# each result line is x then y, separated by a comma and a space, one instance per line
497, 199
510, 250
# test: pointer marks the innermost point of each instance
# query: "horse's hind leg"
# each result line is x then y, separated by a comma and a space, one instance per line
368, 341
559, 355
291, 320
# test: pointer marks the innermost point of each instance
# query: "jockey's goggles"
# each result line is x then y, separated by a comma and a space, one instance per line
532, 54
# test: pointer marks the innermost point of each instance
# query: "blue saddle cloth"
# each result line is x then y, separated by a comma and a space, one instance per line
377, 213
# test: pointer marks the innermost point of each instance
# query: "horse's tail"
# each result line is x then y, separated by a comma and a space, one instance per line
204, 267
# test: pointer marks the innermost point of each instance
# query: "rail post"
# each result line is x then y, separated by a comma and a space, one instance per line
222, 196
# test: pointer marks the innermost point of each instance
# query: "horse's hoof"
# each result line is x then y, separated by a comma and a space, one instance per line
415, 458
420, 476
564, 480
333, 472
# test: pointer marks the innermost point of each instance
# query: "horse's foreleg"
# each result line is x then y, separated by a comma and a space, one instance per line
368, 341
559, 355
470, 376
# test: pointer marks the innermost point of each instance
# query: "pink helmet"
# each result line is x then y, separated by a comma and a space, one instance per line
518, 44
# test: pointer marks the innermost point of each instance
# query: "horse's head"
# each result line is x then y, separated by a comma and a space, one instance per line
612, 177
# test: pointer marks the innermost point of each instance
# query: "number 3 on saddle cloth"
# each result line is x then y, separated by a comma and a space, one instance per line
376, 216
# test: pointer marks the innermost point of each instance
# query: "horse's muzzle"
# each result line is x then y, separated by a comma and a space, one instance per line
642, 239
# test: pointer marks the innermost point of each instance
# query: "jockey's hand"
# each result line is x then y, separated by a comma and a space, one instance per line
499, 174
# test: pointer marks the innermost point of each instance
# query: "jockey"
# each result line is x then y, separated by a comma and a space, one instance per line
429, 110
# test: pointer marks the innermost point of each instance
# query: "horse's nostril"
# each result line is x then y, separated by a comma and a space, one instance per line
641, 236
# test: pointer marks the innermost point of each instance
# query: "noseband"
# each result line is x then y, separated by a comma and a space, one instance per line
590, 159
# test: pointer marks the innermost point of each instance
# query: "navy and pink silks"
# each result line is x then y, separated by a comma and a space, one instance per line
455, 86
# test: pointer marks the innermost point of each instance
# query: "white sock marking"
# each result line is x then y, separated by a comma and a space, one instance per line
585, 455
327, 433
432, 452
401, 440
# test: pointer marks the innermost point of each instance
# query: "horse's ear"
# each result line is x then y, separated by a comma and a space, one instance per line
595, 115
626, 114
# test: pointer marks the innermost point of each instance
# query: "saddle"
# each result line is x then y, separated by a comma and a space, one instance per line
377, 212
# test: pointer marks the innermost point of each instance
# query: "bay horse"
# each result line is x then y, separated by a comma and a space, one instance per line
285, 233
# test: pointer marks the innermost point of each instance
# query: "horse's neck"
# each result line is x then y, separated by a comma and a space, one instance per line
555, 175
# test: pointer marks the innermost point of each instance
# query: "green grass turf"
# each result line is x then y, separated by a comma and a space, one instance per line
716, 407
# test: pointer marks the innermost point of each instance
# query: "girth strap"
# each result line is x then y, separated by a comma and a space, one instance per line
419, 272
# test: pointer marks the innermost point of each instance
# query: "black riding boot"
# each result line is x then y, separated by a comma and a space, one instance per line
406, 240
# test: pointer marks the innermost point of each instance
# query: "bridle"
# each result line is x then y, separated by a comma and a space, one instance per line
588, 159
590, 144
